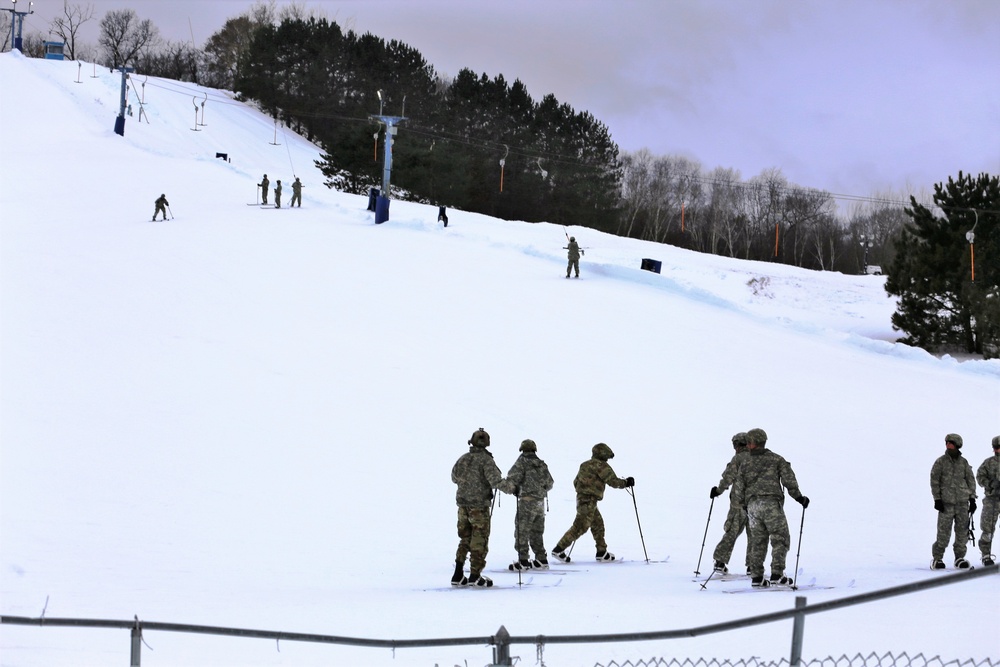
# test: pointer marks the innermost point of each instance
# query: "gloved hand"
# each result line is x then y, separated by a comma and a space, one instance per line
714, 493
939, 505
972, 505
804, 501
629, 481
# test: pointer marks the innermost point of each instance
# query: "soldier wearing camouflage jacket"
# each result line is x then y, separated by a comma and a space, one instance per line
954, 489
594, 475
529, 479
476, 475
988, 476
760, 485
736, 520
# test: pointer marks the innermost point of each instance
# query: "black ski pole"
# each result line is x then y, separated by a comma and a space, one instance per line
972, 527
171, 212
631, 492
798, 550
697, 568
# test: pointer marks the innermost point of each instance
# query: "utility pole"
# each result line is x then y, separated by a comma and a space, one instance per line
382, 212
15, 35
120, 121
866, 243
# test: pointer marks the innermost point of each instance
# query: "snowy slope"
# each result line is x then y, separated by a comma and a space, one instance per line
247, 417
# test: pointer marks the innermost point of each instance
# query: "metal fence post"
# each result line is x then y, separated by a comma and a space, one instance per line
798, 629
136, 644
501, 650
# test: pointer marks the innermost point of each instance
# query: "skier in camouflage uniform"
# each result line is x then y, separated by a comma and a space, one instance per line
760, 485
296, 193
988, 476
574, 256
736, 520
264, 185
530, 481
476, 475
590, 481
161, 207
277, 195
954, 489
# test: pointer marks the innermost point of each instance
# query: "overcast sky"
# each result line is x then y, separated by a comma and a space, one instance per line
851, 96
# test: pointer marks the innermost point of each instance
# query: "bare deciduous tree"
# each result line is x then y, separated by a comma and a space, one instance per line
67, 25
124, 37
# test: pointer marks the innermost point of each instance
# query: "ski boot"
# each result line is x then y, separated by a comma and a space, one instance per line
520, 565
479, 580
605, 556
962, 564
937, 564
720, 568
560, 554
459, 579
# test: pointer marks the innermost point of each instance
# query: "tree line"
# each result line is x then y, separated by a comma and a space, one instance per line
483, 144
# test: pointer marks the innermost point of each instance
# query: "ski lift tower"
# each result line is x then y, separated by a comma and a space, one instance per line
382, 206
15, 34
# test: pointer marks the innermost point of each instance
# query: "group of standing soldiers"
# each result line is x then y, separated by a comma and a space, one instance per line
758, 477
296, 192
477, 476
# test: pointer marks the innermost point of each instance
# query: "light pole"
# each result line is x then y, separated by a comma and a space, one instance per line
15, 35
970, 236
390, 132
866, 243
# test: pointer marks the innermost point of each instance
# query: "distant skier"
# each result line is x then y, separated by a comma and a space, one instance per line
264, 185
590, 481
277, 195
954, 489
530, 481
161, 207
760, 485
574, 256
736, 520
477, 476
988, 476
296, 193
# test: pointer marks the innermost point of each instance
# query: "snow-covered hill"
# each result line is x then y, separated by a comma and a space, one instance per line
247, 417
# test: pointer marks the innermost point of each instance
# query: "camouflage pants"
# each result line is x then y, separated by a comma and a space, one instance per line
574, 264
736, 521
767, 522
529, 527
957, 515
988, 524
296, 197
160, 209
473, 537
588, 517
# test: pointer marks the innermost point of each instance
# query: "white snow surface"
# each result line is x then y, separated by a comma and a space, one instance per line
247, 417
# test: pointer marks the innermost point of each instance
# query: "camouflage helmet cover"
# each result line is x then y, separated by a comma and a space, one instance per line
528, 446
480, 439
572, 238
757, 436
602, 452
996, 442
740, 439
955, 439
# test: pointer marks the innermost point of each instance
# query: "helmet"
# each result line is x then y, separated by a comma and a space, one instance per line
528, 446
757, 436
163, 195
996, 442
572, 238
480, 439
740, 440
954, 439
602, 452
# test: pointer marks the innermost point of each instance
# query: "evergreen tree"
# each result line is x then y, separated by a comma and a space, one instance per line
940, 305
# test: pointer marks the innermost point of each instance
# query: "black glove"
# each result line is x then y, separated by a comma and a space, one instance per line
629, 481
714, 493
939, 505
804, 501
972, 505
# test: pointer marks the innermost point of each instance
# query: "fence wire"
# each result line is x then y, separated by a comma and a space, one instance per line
858, 660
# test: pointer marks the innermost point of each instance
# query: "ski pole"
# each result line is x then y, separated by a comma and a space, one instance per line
517, 538
631, 492
798, 550
972, 527
171, 212
697, 568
